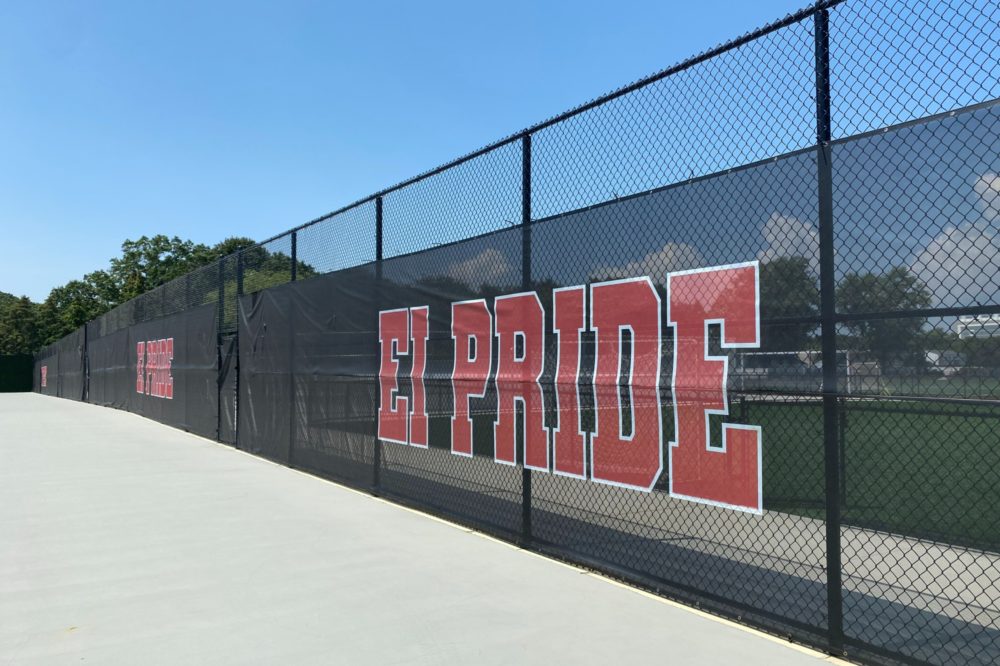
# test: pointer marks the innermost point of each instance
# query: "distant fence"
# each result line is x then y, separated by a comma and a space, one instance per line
604, 337
15, 372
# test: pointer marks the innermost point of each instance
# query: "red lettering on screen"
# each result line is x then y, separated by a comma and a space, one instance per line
419, 332
729, 473
150, 366
520, 328
627, 444
568, 439
140, 364
155, 350
394, 341
397, 328
472, 331
154, 368
45, 376
168, 379
151, 360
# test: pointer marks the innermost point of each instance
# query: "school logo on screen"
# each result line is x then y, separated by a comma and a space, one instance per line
622, 445
153, 366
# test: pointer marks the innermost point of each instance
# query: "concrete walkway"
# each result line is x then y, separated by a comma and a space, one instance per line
123, 541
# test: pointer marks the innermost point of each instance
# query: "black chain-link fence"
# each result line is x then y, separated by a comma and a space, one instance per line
850, 151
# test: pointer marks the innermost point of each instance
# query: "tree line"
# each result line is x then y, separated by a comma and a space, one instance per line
790, 311
789, 293
144, 264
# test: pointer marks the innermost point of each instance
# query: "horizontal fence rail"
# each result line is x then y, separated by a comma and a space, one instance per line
730, 333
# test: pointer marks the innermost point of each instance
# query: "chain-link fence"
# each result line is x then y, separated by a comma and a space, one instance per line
848, 151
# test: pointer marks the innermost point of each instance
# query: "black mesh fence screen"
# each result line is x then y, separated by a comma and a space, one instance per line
731, 333
60, 368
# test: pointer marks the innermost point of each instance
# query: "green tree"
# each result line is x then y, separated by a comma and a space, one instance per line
72, 305
144, 264
106, 290
262, 268
787, 289
147, 263
20, 326
896, 290
232, 245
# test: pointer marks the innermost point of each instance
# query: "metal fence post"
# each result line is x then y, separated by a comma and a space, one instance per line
221, 287
221, 315
86, 363
239, 273
842, 444
828, 312
377, 455
236, 363
292, 413
525, 286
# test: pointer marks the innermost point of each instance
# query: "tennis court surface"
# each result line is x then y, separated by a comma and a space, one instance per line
124, 541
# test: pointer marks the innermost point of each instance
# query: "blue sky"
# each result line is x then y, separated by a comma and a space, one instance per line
207, 120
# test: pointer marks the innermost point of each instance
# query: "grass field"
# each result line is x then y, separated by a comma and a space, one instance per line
928, 470
915, 468
955, 386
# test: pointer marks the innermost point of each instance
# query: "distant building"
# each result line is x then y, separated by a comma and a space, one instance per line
977, 326
947, 361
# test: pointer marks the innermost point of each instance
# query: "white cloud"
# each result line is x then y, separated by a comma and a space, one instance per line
959, 264
987, 187
671, 257
787, 236
488, 267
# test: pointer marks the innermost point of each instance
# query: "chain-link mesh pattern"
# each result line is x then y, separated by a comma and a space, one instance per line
475, 197
925, 200
716, 115
850, 150
892, 62
337, 242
